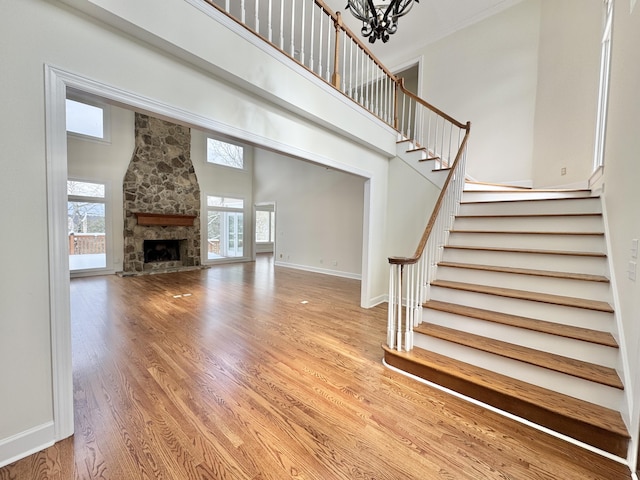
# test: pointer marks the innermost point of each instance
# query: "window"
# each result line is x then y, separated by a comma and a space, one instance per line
225, 227
603, 96
86, 225
223, 153
265, 226
86, 119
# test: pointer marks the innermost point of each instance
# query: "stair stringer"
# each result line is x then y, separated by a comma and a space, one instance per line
416, 159
622, 366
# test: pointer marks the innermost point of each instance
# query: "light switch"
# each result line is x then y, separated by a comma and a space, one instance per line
632, 271
634, 248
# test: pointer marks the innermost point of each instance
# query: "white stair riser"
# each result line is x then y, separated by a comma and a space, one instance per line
516, 195
566, 384
599, 291
567, 347
570, 243
577, 205
560, 223
558, 263
578, 317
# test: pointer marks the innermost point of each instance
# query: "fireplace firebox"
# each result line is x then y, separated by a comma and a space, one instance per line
161, 251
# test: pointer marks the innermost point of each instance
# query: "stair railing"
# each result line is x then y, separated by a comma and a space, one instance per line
315, 37
410, 277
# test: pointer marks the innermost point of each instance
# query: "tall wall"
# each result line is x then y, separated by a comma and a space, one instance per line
487, 74
621, 192
567, 92
218, 93
319, 213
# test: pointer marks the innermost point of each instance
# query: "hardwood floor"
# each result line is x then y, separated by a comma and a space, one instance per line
226, 374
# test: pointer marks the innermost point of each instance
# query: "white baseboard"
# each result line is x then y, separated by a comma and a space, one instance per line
26, 443
325, 271
380, 299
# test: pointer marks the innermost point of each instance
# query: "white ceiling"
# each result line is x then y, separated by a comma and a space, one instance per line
428, 21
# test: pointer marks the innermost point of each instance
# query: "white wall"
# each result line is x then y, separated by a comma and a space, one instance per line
621, 191
319, 213
487, 74
567, 94
410, 204
35, 33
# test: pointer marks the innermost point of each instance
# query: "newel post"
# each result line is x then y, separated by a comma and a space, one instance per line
335, 79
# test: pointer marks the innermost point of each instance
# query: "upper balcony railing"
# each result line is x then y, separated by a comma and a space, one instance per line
316, 37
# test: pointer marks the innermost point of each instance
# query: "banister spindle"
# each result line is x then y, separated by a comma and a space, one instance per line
292, 47
336, 59
242, 12
270, 22
302, 25
329, 26
256, 17
281, 25
320, 43
311, 35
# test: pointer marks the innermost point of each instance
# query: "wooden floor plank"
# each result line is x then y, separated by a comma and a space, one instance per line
240, 380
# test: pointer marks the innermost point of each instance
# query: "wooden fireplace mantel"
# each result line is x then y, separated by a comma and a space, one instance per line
164, 219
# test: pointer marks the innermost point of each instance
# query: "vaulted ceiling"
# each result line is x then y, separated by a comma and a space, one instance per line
428, 21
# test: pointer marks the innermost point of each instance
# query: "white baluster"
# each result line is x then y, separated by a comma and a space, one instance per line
242, 12
226, 6
320, 43
330, 26
399, 310
311, 35
292, 48
303, 24
270, 21
281, 24
391, 309
256, 17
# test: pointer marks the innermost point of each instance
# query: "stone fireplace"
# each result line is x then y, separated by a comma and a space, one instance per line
161, 200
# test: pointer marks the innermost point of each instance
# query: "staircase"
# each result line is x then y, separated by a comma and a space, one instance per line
520, 314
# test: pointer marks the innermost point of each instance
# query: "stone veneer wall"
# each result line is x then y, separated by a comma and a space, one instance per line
160, 179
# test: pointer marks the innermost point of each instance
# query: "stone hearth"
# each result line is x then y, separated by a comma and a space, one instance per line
161, 180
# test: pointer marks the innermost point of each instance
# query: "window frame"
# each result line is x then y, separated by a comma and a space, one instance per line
106, 117
205, 228
244, 148
107, 224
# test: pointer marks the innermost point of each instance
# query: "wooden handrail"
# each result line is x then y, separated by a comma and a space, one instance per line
435, 110
436, 209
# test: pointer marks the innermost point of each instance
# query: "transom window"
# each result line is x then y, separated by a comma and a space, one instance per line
224, 153
86, 119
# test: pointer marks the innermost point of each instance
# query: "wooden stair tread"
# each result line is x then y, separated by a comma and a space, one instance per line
527, 250
527, 271
520, 200
518, 232
567, 331
557, 411
529, 215
525, 295
587, 371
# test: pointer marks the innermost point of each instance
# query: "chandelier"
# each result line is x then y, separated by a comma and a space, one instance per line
379, 19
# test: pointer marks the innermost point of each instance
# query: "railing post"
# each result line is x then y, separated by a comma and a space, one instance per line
335, 79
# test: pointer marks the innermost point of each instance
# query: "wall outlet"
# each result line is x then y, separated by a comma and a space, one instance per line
632, 271
563, 171
634, 248
334, 263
